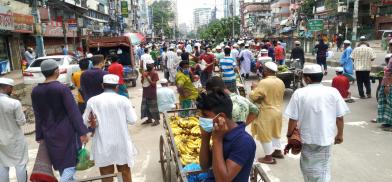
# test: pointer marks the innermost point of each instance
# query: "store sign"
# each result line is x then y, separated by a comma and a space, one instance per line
72, 24
315, 25
124, 9
57, 31
385, 2
23, 23
6, 20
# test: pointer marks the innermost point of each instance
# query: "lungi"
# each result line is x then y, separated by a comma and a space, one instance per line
186, 104
149, 109
172, 75
232, 86
384, 107
315, 163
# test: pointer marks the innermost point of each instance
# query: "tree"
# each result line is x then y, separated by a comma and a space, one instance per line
220, 29
307, 8
162, 14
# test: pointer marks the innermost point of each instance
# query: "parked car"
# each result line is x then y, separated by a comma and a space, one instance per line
67, 65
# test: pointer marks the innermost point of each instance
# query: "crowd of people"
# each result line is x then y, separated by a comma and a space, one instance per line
205, 77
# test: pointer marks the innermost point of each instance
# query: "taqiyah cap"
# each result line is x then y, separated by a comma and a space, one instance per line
49, 64
111, 79
7, 81
272, 66
312, 69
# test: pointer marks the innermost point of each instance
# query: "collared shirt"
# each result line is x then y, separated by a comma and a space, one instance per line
219, 56
346, 62
150, 91
342, 84
239, 147
117, 69
183, 80
227, 65
166, 99
13, 146
242, 107
209, 59
172, 60
76, 80
362, 57
113, 112
279, 53
29, 57
316, 108
91, 82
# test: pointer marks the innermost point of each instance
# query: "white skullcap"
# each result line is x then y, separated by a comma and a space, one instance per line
111, 79
149, 61
89, 55
179, 51
312, 69
346, 42
339, 69
7, 81
198, 44
390, 42
362, 38
163, 81
297, 42
388, 56
279, 42
264, 51
271, 66
235, 45
246, 45
218, 47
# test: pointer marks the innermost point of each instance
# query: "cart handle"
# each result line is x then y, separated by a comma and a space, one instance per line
180, 110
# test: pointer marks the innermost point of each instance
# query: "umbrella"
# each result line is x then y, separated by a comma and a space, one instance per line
135, 38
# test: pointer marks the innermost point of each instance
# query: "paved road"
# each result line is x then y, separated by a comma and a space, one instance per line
364, 156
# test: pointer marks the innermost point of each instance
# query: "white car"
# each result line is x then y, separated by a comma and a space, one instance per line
67, 65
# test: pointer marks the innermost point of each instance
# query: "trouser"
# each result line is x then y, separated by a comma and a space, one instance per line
270, 147
124, 169
204, 77
322, 61
82, 107
21, 173
68, 174
281, 62
363, 79
315, 163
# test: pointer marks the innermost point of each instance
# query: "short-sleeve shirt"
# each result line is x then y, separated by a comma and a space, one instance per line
154, 54
117, 69
242, 107
227, 65
316, 108
279, 53
183, 80
150, 92
76, 80
208, 58
239, 147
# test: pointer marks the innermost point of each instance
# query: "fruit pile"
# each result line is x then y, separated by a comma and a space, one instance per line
283, 68
187, 138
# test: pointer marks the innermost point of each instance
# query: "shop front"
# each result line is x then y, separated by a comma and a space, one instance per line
54, 39
23, 30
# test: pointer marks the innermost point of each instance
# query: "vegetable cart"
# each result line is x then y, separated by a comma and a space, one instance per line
291, 75
173, 154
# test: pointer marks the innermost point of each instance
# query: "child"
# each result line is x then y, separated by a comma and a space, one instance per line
342, 84
197, 83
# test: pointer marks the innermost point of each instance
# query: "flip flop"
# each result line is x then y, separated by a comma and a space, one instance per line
278, 156
261, 160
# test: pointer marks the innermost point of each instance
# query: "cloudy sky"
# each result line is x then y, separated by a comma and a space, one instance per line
185, 8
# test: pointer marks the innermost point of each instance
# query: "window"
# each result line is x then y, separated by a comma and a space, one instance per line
37, 63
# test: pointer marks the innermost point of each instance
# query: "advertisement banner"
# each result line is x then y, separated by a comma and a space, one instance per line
6, 20
124, 9
72, 24
315, 25
52, 30
23, 23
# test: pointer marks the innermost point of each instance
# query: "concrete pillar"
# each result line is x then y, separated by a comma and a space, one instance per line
355, 21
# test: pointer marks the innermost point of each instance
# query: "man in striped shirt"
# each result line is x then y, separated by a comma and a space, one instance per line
363, 56
228, 68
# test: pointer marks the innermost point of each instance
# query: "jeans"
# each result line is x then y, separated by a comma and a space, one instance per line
204, 77
281, 62
124, 169
322, 61
68, 174
363, 79
21, 173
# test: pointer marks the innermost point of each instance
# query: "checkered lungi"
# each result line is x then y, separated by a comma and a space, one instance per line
384, 107
149, 109
232, 86
315, 163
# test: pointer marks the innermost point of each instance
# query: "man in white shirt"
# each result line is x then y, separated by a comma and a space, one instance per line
13, 146
234, 52
29, 55
110, 113
166, 97
317, 111
172, 63
145, 58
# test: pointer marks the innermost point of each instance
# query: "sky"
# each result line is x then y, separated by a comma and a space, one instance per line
185, 9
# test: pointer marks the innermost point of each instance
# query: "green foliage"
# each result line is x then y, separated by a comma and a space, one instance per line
331, 4
162, 15
220, 29
307, 8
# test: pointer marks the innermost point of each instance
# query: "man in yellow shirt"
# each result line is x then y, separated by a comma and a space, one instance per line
268, 94
187, 91
83, 64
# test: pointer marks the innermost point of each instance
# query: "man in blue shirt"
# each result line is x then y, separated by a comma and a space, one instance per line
228, 68
346, 62
231, 155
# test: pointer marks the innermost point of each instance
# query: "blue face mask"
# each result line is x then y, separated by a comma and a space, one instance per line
185, 72
207, 123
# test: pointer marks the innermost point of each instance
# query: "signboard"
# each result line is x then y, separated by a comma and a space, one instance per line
57, 31
124, 9
72, 24
386, 2
315, 25
6, 20
23, 23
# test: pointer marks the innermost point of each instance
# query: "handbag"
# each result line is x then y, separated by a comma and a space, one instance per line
294, 143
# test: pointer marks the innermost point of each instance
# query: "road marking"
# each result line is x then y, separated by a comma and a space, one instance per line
361, 124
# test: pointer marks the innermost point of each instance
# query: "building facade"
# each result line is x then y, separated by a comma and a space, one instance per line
255, 18
231, 8
201, 16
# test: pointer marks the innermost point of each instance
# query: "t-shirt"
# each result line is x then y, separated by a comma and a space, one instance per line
342, 84
154, 54
208, 58
239, 147
145, 58
185, 56
117, 69
183, 80
279, 53
76, 80
322, 50
227, 65
166, 99
150, 92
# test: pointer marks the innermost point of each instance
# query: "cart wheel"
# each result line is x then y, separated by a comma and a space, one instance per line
258, 174
165, 160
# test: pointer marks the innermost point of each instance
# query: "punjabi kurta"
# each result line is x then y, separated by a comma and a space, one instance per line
111, 142
13, 146
58, 122
245, 64
269, 96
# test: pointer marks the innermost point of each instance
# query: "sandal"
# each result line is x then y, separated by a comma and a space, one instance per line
262, 160
147, 122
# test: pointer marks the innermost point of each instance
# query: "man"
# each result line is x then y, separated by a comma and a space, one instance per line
339, 41
29, 55
362, 41
231, 155
342, 84
234, 52
91, 80
298, 53
149, 107
186, 90
146, 57
172, 64
228, 67
261, 60
64, 49
184, 54
207, 60
321, 55
363, 57
384, 107
164, 62
279, 53
155, 56
245, 59
140, 52
346, 62
317, 111
268, 93
58, 121
13, 146
118, 69
111, 142
83, 65
219, 54
166, 97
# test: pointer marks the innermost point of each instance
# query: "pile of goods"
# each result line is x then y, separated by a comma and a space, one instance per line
187, 138
380, 74
283, 68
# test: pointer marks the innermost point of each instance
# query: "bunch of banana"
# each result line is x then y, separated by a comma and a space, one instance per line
187, 159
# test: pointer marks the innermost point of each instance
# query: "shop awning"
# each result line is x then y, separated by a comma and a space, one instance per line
96, 19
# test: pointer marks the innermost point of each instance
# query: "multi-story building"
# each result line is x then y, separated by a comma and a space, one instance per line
255, 17
231, 8
201, 16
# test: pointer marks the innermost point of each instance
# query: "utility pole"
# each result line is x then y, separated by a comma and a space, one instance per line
232, 16
355, 21
39, 41
64, 27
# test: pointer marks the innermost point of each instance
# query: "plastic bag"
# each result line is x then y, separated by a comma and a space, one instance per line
84, 161
195, 177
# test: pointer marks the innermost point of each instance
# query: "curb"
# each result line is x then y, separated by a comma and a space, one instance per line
333, 63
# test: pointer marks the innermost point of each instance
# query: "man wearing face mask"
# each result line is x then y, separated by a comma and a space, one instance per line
92, 79
187, 91
13, 146
149, 107
231, 155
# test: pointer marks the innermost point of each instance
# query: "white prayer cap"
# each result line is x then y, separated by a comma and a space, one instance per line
163, 81
149, 61
246, 45
388, 56
89, 55
297, 42
198, 44
362, 38
218, 47
235, 45
263, 51
7, 81
179, 51
390, 42
111, 79
172, 47
339, 69
312, 69
279, 42
271, 66
346, 42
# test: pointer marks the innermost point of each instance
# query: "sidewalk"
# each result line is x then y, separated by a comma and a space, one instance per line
17, 76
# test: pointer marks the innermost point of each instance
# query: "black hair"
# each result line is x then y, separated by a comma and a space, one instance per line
183, 63
227, 51
49, 73
84, 63
145, 50
315, 77
113, 58
97, 59
164, 49
109, 86
216, 101
214, 83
